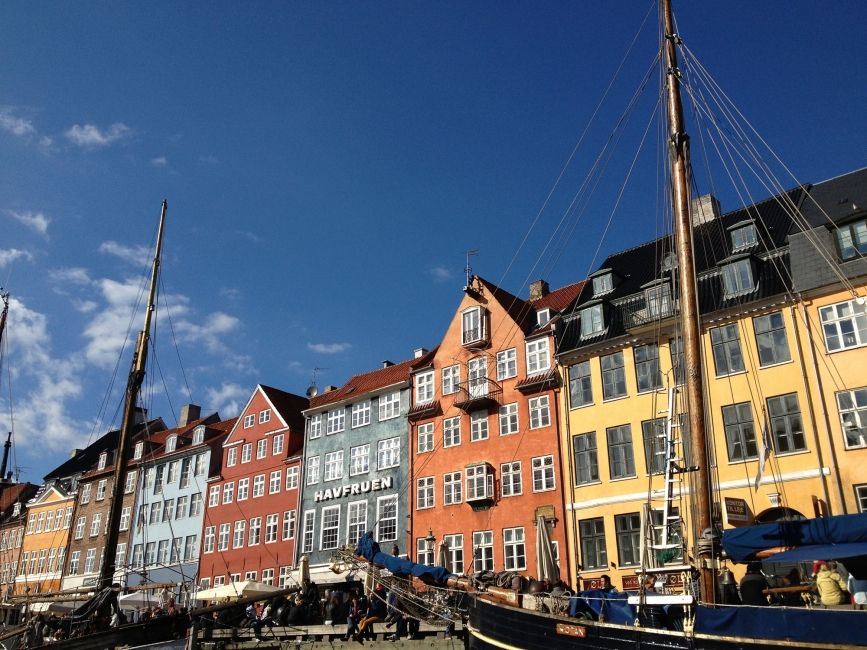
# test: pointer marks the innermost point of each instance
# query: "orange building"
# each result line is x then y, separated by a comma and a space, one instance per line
46, 536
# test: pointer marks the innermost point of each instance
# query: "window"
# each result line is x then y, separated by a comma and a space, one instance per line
478, 426
268, 576
198, 435
248, 575
264, 416
191, 547
852, 405
359, 460
356, 521
647, 372
593, 553
285, 577
156, 513
314, 426
333, 465
100, 490
389, 406
424, 387
483, 551
214, 496
592, 322
507, 364
40, 522
388, 453
246, 452
172, 473
386, 516
509, 419
657, 298
288, 525
455, 544
653, 433
103, 459
628, 531
259, 484
844, 325
738, 277
90, 560
271, 523
543, 473
360, 414
510, 479
540, 415
307, 540
158, 480
137, 452
85, 494
424, 493
292, 478
243, 489
196, 505
602, 284
119, 555
620, 459
75, 558
771, 339
425, 437
239, 533
580, 387
543, 317
472, 325
223, 539
185, 473
613, 376
852, 239
171, 444
249, 420
183, 507
277, 444
168, 509
726, 343
477, 377
276, 475
452, 432
744, 237
786, 424
424, 554
79, 527
452, 488
515, 551
480, 482
255, 531
129, 484
209, 539
740, 433
313, 470
336, 422
451, 379
586, 458
228, 492
861, 496
261, 448
95, 524
537, 356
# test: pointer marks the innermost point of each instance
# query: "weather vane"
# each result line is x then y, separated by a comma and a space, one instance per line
469, 269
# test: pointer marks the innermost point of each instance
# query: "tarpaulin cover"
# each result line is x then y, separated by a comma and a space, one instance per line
784, 623
610, 605
368, 548
742, 544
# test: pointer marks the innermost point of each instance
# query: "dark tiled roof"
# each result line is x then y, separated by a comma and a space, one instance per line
14, 493
523, 312
369, 381
289, 405
836, 196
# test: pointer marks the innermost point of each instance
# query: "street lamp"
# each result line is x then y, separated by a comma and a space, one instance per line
430, 540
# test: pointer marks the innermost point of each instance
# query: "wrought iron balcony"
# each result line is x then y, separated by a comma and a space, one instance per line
478, 393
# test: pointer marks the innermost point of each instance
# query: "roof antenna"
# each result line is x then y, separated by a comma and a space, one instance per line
469, 269
312, 390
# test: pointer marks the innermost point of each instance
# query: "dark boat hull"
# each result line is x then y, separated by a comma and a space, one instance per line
155, 631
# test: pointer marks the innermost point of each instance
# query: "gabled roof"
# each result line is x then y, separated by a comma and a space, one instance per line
523, 312
288, 405
559, 299
516, 307
14, 493
369, 382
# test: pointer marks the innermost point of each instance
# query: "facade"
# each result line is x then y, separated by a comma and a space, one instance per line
485, 459
169, 508
249, 527
356, 464
13, 518
46, 536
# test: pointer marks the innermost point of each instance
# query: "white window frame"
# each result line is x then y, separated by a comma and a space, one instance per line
479, 483
171, 444
333, 466
483, 550
544, 477
254, 536
264, 416
538, 357
356, 521
258, 486
451, 379
314, 426
507, 364
389, 406
844, 323
277, 444
603, 284
514, 549
592, 321
335, 421
508, 419
540, 412
425, 490
452, 432
453, 483
246, 452
330, 526
425, 437
261, 448
313, 470
511, 479
852, 409
292, 474
384, 525
272, 523
231, 456
308, 531
479, 429
472, 325
388, 453
288, 529
249, 420
359, 459
360, 414
275, 480
425, 391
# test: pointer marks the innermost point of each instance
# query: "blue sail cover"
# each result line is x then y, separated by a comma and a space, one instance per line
742, 544
368, 548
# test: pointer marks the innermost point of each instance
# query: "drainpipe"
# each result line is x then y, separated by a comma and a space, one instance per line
567, 401
563, 482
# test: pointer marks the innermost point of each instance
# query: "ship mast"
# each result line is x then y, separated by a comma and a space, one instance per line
693, 376
136, 376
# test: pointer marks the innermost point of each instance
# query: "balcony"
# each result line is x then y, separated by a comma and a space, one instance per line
540, 381
640, 310
426, 410
478, 393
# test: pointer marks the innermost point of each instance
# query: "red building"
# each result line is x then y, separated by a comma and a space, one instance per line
250, 521
483, 424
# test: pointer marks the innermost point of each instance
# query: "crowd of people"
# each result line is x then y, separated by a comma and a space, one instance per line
827, 587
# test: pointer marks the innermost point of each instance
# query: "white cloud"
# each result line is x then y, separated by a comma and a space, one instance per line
70, 275
440, 274
159, 161
231, 293
91, 136
208, 160
13, 124
138, 256
107, 330
10, 255
328, 348
227, 399
84, 306
35, 220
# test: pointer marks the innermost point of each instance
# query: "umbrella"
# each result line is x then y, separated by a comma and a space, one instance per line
443, 556
236, 590
137, 599
546, 566
304, 569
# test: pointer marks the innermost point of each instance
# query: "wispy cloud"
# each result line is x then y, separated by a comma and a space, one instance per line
251, 236
70, 275
138, 256
231, 293
34, 220
228, 398
84, 306
209, 160
159, 161
90, 136
440, 274
10, 255
328, 348
15, 124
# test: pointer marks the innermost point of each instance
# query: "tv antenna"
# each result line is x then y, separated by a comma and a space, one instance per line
312, 390
469, 269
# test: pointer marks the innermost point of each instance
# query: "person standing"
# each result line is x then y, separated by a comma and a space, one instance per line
753, 584
830, 584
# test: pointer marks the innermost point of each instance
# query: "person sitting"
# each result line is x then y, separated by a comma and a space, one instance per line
830, 585
605, 579
858, 589
375, 614
791, 598
753, 584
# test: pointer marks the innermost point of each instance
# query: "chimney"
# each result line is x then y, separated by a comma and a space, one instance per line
387, 364
538, 289
703, 209
6, 447
189, 413
328, 389
74, 453
141, 415
418, 353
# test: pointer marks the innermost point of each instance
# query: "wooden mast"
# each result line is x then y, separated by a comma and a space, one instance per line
693, 376
136, 376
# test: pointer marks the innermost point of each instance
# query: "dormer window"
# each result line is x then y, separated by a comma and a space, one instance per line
198, 435
424, 387
103, 459
603, 283
139, 448
852, 239
543, 317
743, 236
16, 509
592, 321
738, 277
472, 325
657, 297
171, 444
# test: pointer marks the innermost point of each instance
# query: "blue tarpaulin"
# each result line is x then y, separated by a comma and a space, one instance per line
610, 605
368, 548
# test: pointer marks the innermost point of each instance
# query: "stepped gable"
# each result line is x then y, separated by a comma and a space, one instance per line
836, 196
369, 381
289, 405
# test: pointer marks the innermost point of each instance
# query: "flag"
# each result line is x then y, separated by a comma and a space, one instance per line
764, 455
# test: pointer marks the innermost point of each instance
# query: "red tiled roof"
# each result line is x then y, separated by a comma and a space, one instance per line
559, 299
516, 307
289, 405
369, 381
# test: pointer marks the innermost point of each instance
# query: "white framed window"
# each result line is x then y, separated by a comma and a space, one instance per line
386, 517
389, 406
171, 444
478, 426
451, 379
248, 575
239, 533
277, 444
210, 538
861, 497
452, 483
472, 325
274, 481
103, 459
182, 509
359, 459
543, 473
292, 478
330, 528
425, 437
268, 576
90, 560
424, 387
507, 364
480, 482
214, 496
510, 479
509, 419
483, 550
243, 489
100, 490
168, 509
738, 277
288, 525
271, 524
246, 452
543, 317
657, 299
75, 559
174, 468
603, 284
744, 237
255, 535
85, 491
196, 505
356, 518
155, 513
139, 449
261, 448
424, 493
456, 552
307, 531
259, 485
285, 577
158, 481
424, 554
228, 492
852, 406
452, 432
336, 421
477, 376
540, 415
515, 552
186, 472
333, 465
191, 547
314, 426
388, 453
198, 435
129, 484
537, 356
312, 470
249, 420
79, 527
95, 524
264, 416
360, 414
231, 456
592, 321
844, 325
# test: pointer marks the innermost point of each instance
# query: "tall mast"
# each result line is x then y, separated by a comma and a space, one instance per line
679, 155
136, 376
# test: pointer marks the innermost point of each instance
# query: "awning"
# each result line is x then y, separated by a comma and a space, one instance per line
820, 552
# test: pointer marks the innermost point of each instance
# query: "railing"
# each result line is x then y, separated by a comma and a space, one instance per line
478, 392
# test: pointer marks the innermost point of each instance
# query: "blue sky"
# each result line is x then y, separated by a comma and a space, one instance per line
326, 165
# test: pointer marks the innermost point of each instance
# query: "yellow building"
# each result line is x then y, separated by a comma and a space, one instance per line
46, 537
